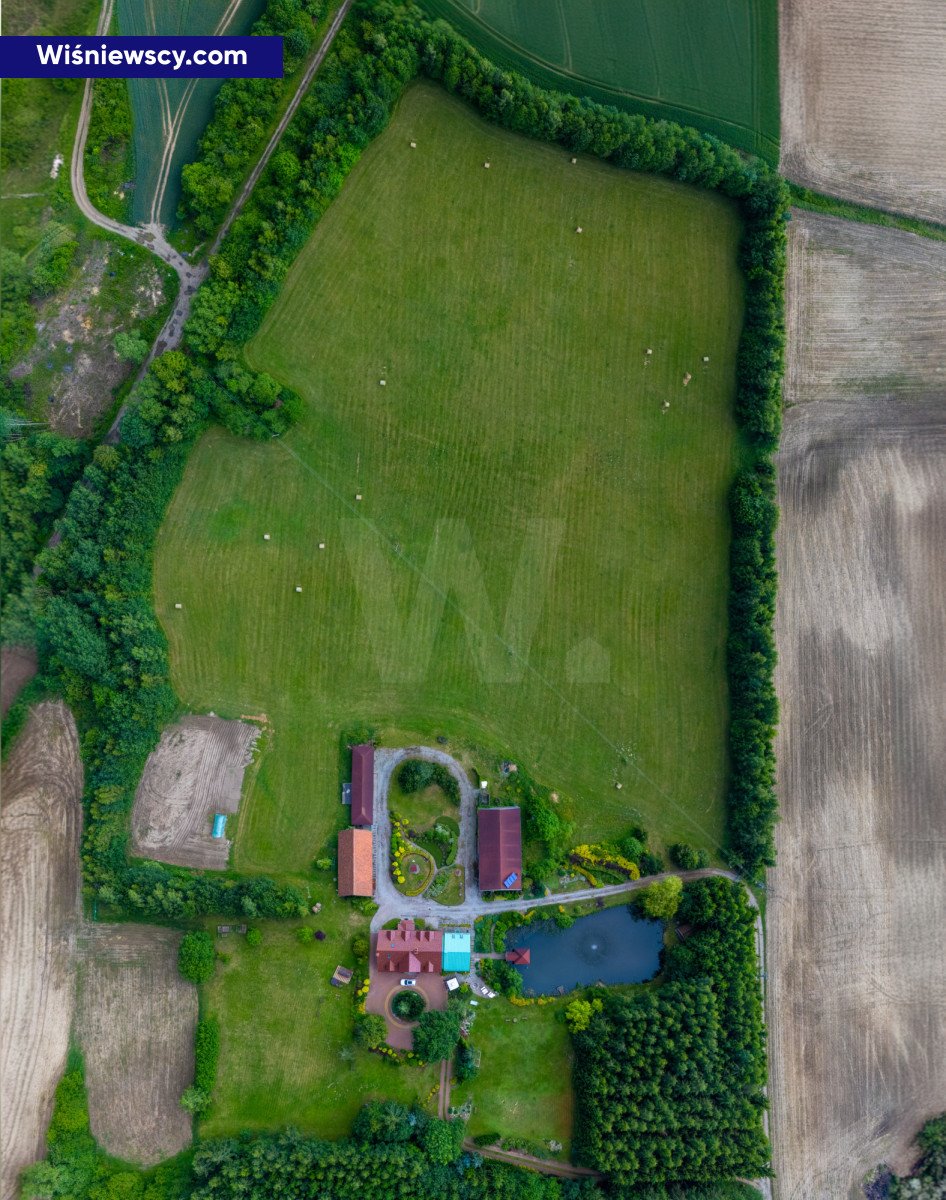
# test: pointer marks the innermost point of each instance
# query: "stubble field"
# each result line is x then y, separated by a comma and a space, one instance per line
864, 101
857, 981
39, 914
539, 564
135, 1025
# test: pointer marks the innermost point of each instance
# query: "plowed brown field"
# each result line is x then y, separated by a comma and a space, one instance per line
864, 100
856, 970
39, 912
135, 1024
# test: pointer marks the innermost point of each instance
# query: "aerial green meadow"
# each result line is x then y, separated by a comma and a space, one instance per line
537, 566
712, 64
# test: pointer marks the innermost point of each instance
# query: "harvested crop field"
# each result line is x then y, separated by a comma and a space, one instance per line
39, 911
864, 101
866, 312
17, 668
135, 1026
857, 980
195, 771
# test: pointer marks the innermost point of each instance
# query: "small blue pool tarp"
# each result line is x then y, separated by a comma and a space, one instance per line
456, 951
220, 825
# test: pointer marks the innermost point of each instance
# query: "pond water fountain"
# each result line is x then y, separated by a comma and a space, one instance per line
610, 946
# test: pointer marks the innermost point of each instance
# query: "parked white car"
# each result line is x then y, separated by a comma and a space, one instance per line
408, 983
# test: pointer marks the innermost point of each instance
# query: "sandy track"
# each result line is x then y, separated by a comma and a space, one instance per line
863, 99
195, 771
866, 312
39, 911
857, 979
17, 667
135, 1024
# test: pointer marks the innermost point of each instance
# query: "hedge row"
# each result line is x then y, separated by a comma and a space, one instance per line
100, 638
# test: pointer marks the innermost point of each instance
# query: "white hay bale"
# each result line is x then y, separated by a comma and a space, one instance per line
706, 358
687, 378
265, 537
619, 786
579, 230
358, 495
574, 160
178, 605
486, 165
321, 545
650, 351
383, 382
413, 145
298, 589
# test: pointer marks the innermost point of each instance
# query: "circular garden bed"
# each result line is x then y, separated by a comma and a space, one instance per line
414, 871
408, 1005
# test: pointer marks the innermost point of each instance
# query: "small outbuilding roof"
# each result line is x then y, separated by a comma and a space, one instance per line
341, 977
362, 784
355, 870
500, 849
520, 957
457, 948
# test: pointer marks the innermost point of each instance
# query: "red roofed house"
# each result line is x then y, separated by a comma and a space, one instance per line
409, 951
362, 784
499, 837
519, 957
355, 864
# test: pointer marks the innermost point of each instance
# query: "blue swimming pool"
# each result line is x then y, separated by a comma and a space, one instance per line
610, 946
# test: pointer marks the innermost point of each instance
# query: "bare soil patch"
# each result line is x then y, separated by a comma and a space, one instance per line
39, 912
866, 312
863, 98
17, 667
72, 370
856, 971
196, 771
135, 1024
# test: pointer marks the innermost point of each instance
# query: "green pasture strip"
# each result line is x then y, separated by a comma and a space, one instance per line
159, 103
831, 206
523, 1089
712, 65
287, 1056
586, 526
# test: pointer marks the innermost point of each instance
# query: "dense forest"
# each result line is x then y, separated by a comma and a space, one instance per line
669, 1082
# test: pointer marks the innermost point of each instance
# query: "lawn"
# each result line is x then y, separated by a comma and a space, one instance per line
538, 567
287, 1055
712, 64
523, 1088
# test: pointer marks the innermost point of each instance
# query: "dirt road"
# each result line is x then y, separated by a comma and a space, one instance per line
39, 915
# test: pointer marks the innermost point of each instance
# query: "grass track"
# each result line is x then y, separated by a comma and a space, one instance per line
712, 64
583, 536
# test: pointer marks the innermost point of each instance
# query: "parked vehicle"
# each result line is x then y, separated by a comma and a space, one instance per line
408, 983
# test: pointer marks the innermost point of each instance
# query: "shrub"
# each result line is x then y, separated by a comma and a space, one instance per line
195, 1100
196, 957
305, 935
408, 1005
361, 946
686, 857
501, 975
443, 1140
437, 1034
254, 937
370, 1031
464, 1065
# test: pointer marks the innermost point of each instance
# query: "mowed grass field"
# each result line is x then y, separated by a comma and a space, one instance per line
712, 64
523, 1086
286, 1051
538, 566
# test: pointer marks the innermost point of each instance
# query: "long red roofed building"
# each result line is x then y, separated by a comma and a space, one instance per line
362, 784
499, 848
355, 862
408, 950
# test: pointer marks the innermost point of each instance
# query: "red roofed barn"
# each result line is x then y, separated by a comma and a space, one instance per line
355, 863
499, 835
409, 951
362, 784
